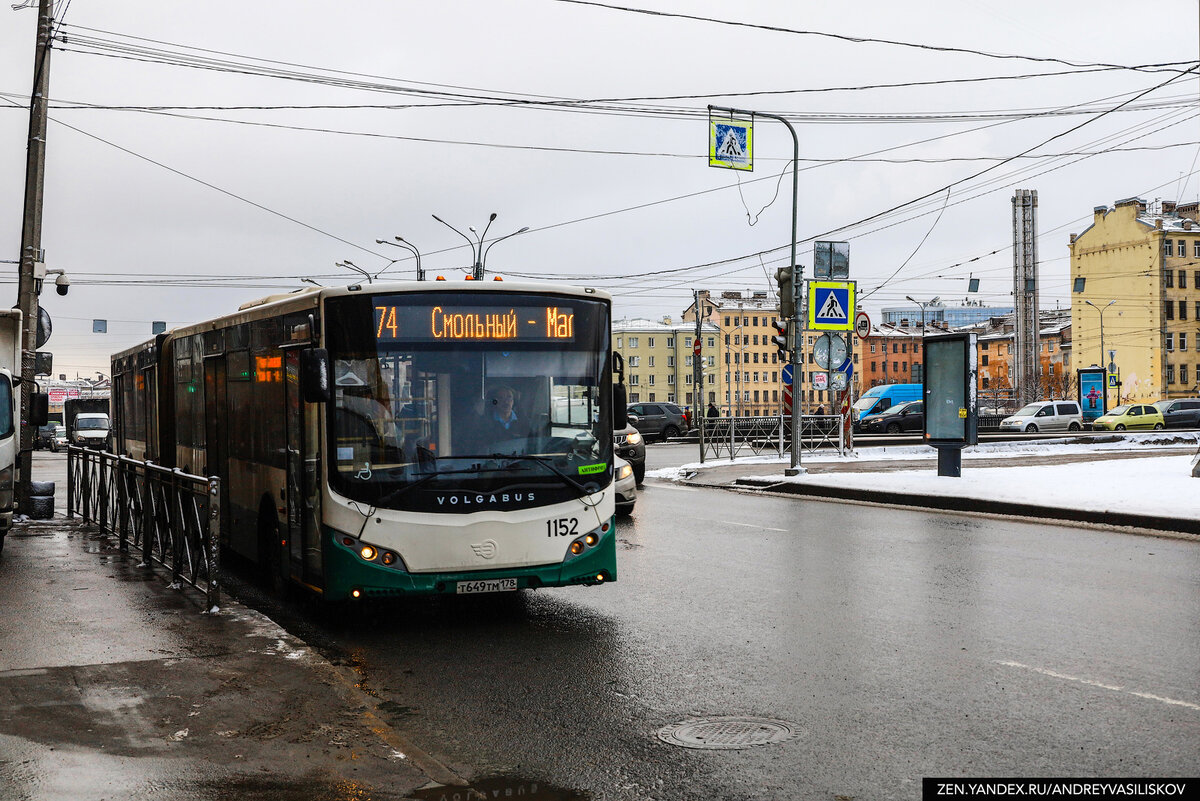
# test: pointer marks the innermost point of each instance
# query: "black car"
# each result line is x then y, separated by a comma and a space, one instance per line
661, 420
630, 446
1182, 413
43, 437
901, 417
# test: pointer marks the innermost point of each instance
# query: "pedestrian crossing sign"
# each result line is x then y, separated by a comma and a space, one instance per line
731, 143
831, 305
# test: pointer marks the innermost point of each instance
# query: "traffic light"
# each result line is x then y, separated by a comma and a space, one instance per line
787, 299
782, 341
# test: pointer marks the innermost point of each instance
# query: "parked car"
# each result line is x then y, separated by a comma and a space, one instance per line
1180, 413
662, 420
880, 398
60, 438
1129, 416
625, 485
1045, 416
908, 416
631, 447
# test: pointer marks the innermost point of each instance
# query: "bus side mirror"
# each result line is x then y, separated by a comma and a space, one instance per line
39, 409
620, 413
314, 375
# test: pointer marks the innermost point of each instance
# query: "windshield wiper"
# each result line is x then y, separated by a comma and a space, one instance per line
425, 479
542, 460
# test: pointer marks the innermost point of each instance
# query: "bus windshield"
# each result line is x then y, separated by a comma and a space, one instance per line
438, 395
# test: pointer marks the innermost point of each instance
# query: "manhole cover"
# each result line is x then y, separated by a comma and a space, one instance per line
727, 732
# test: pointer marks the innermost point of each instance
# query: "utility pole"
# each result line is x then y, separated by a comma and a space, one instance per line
698, 411
31, 240
1026, 318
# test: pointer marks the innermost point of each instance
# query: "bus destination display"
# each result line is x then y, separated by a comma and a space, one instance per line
443, 323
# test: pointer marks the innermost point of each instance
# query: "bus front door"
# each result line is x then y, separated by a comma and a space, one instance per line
303, 479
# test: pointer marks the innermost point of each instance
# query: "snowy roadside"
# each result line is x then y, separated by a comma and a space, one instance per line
1151, 485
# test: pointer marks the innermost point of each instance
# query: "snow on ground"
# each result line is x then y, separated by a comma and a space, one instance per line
1153, 484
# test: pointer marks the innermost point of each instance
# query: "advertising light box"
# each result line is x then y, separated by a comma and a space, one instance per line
951, 374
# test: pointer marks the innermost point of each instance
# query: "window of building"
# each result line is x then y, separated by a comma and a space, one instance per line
895, 367
670, 361
895, 347
1183, 341
634, 397
985, 360
755, 337
873, 367
1050, 346
649, 361
1182, 249
756, 357
1168, 247
1183, 279
1170, 342
756, 396
651, 394
635, 361
986, 381
755, 321
687, 361
633, 342
755, 376
1197, 310
1170, 374
1183, 374
1051, 368
1169, 308
727, 339
904, 347
671, 397
872, 347
670, 342
1183, 310
916, 347
712, 361
712, 342
727, 325
633, 380
1168, 278
1196, 249
620, 343
904, 366
671, 379
727, 357
650, 342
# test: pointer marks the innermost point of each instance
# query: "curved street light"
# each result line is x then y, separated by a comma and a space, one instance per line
401, 242
483, 262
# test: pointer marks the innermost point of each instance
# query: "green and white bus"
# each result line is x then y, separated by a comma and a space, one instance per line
395, 439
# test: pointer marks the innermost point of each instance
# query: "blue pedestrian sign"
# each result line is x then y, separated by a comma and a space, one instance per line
831, 305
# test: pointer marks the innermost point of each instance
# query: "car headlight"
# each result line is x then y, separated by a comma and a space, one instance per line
625, 472
633, 438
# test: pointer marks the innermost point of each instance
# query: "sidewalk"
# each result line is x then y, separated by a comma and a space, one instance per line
115, 686
1140, 481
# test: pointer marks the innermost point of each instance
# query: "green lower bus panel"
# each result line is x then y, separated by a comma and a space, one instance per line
346, 571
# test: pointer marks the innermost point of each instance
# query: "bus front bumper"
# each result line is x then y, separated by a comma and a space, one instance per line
347, 574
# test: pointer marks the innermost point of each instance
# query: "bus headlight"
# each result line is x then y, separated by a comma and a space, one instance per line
367, 553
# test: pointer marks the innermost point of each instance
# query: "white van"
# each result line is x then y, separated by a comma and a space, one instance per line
1045, 416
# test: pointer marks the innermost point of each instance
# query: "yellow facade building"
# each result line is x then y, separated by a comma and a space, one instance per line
659, 359
1136, 273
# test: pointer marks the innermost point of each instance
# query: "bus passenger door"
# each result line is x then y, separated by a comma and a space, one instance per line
216, 435
303, 478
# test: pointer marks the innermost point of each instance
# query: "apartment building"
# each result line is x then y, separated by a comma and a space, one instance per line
659, 360
1136, 291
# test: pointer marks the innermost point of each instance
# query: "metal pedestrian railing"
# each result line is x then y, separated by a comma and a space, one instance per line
172, 517
728, 437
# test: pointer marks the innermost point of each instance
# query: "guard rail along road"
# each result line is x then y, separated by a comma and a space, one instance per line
173, 517
730, 436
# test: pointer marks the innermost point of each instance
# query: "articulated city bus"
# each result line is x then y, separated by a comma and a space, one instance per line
394, 439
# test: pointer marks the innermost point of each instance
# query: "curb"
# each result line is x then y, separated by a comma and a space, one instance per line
1170, 525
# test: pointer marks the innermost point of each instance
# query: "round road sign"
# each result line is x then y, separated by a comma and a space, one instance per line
862, 324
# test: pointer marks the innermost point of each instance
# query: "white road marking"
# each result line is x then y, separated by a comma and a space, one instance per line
657, 485
1101, 685
752, 525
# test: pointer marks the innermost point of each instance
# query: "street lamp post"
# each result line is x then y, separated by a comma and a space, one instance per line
410, 247
483, 260
931, 302
475, 266
1101, 363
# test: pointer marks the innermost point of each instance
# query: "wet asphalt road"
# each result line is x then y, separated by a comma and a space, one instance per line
898, 644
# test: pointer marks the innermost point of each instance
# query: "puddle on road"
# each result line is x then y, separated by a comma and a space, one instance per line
502, 787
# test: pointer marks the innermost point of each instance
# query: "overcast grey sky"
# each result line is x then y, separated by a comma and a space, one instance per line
397, 111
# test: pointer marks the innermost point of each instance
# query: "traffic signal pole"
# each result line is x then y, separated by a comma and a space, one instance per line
797, 278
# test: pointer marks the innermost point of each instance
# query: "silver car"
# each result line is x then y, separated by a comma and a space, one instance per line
625, 485
1045, 416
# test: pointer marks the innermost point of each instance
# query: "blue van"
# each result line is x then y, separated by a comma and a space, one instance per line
884, 396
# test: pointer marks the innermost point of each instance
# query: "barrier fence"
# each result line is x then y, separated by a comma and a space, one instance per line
173, 517
727, 437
